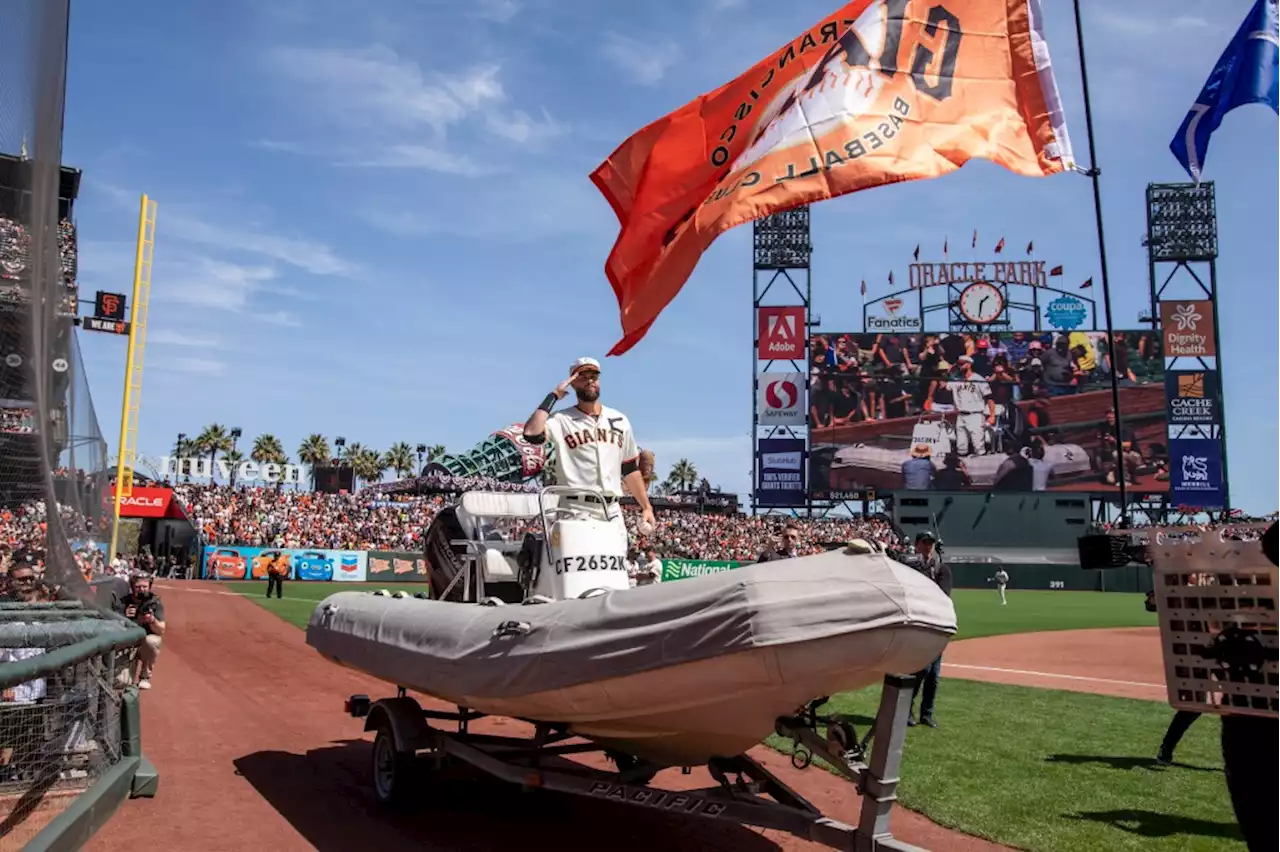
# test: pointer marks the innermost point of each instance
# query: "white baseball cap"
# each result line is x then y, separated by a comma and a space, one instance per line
584, 363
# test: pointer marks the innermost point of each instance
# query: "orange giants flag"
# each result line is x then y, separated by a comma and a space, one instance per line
880, 91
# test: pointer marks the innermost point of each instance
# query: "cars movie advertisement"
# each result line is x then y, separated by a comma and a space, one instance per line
780, 399
780, 333
780, 472
1187, 327
234, 562
145, 501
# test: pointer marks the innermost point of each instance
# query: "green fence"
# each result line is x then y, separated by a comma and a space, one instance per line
1059, 577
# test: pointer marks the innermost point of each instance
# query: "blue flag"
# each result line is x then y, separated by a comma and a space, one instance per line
1245, 74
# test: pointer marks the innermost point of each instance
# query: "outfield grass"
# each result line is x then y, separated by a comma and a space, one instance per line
1050, 771
1036, 769
978, 611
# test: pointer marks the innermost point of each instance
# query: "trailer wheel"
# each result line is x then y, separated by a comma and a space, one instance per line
394, 772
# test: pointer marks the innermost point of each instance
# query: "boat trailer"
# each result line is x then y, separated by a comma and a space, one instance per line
411, 740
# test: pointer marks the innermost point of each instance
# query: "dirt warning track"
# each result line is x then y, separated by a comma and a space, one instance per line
246, 728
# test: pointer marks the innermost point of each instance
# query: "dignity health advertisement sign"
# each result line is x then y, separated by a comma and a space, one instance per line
780, 472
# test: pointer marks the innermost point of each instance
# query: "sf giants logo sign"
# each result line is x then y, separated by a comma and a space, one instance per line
781, 333
109, 306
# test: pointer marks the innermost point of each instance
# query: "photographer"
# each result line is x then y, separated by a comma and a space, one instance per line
144, 608
928, 561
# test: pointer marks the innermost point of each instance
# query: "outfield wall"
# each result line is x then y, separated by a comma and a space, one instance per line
310, 564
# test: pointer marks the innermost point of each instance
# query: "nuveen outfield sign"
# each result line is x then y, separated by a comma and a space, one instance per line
246, 471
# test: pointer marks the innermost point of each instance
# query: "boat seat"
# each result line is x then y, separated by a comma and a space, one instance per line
498, 568
498, 504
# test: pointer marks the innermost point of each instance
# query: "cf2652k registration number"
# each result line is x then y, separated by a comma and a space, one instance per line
565, 564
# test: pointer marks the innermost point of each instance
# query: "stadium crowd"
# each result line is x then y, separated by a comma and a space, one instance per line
270, 517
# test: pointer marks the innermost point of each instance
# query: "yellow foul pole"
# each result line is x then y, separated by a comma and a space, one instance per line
129, 406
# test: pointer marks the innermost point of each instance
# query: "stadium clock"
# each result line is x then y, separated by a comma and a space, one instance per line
981, 302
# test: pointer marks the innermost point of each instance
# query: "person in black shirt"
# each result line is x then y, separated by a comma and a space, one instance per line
822, 402
953, 476
144, 608
1060, 370
1106, 457
1014, 473
932, 565
786, 548
845, 405
891, 391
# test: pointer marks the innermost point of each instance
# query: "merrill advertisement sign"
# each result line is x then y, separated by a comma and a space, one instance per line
682, 569
1196, 468
781, 399
392, 567
1187, 328
780, 479
1192, 397
236, 562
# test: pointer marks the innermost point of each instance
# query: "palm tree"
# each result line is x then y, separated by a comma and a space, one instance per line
313, 452
233, 458
683, 475
367, 465
400, 459
435, 451
212, 440
267, 449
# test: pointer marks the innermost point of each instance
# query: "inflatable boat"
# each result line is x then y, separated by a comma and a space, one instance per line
674, 674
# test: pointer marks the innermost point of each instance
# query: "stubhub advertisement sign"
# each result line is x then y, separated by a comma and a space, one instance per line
237, 562
780, 471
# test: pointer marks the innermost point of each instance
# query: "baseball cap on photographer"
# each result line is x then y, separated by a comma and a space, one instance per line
584, 364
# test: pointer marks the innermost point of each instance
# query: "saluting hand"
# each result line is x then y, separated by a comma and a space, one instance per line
562, 389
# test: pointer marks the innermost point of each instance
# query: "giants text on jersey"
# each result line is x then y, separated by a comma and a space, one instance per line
590, 451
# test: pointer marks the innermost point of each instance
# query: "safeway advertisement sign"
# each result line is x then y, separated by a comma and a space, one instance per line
144, 502
781, 333
780, 399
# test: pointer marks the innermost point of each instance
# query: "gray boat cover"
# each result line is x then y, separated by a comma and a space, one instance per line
450, 649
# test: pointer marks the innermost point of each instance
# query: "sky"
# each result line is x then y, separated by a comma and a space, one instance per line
374, 218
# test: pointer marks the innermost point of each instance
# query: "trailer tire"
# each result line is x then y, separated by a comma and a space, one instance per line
395, 772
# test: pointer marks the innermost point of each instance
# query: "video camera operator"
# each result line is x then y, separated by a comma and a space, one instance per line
929, 562
143, 607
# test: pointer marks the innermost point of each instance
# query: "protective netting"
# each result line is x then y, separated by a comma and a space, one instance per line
60, 723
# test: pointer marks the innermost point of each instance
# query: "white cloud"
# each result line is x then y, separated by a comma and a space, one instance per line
520, 127
724, 5
210, 283
165, 337
377, 83
279, 318
425, 158
498, 11
191, 366
645, 61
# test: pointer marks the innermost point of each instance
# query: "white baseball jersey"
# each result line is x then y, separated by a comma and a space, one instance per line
970, 395
590, 451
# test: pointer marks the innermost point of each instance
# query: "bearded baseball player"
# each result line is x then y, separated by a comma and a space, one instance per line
595, 448
972, 394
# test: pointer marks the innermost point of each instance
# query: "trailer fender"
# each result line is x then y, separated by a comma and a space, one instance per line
408, 724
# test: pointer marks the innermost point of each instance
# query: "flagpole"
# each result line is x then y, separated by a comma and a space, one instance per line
1093, 172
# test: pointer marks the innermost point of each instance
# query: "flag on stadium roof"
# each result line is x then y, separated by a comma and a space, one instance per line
1086, 285
827, 114
1246, 73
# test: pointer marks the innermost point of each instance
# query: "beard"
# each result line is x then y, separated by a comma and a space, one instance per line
588, 395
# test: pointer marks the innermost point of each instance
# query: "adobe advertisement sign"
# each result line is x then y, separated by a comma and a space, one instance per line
1192, 397
780, 472
1187, 328
781, 333
780, 399
144, 502
1195, 467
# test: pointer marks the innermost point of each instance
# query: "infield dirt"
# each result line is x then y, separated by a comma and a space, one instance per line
246, 728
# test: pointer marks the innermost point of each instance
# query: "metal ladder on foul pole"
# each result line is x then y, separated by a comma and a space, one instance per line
132, 402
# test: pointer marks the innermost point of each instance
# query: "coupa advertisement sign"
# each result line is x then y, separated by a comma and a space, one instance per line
780, 472
236, 562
